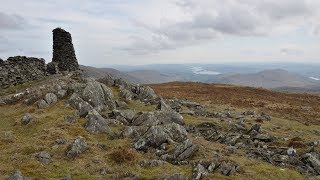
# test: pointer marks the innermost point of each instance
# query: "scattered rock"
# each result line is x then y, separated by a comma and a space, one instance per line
96, 123
44, 157
7, 136
185, 151
124, 116
42, 104
154, 137
199, 172
264, 117
62, 94
176, 176
77, 147
70, 119
162, 106
26, 119
152, 163
263, 137
61, 141
51, 98
248, 113
291, 151
17, 176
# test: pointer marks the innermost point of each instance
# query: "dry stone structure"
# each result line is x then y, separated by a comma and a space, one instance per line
64, 57
20, 69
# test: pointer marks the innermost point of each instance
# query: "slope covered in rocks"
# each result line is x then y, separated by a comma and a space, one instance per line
72, 127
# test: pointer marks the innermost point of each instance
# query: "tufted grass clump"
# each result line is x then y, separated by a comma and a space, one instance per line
121, 155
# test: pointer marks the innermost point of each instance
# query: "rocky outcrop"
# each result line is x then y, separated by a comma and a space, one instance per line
20, 69
64, 57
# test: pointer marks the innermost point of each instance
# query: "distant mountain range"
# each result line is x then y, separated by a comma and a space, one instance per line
282, 77
267, 79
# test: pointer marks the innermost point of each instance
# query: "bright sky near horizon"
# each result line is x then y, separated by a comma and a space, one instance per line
165, 31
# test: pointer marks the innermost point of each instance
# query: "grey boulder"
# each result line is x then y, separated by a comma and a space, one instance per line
44, 157
42, 104
26, 119
51, 98
77, 147
17, 176
96, 123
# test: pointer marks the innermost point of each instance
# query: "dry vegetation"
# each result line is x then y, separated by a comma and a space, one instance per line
304, 108
118, 157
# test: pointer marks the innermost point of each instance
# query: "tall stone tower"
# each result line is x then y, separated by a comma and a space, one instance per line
64, 57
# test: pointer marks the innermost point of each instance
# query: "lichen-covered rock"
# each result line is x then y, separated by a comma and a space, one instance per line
124, 116
44, 157
126, 94
17, 176
62, 93
157, 118
199, 172
186, 150
168, 117
51, 98
146, 92
42, 104
96, 123
26, 119
77, 147
154, 137
70, 119
98, 95
107, 80
314, 162
162, 106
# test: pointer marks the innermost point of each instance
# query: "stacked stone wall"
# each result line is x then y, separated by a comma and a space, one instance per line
20, 69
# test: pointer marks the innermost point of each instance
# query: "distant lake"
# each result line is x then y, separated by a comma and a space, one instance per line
200, 70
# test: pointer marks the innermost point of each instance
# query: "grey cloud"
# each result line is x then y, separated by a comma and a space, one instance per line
233, 17
11, 21
290, 51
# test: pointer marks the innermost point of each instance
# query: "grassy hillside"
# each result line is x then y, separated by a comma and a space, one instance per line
108, 158
303, 108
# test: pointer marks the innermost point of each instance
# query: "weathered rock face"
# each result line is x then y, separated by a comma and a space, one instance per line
64, 56
20, 69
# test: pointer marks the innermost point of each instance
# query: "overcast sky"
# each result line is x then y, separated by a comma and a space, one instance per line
165, 31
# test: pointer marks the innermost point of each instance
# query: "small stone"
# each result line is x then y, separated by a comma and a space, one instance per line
17, 176
26, 119
42, 104
77, 147
291, 151
61, 141
7, 136
70, 119
51, 98
62, 94
199, 172
44, 157
66, 178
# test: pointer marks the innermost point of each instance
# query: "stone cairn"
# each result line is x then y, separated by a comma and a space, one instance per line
64, 57
20, 69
